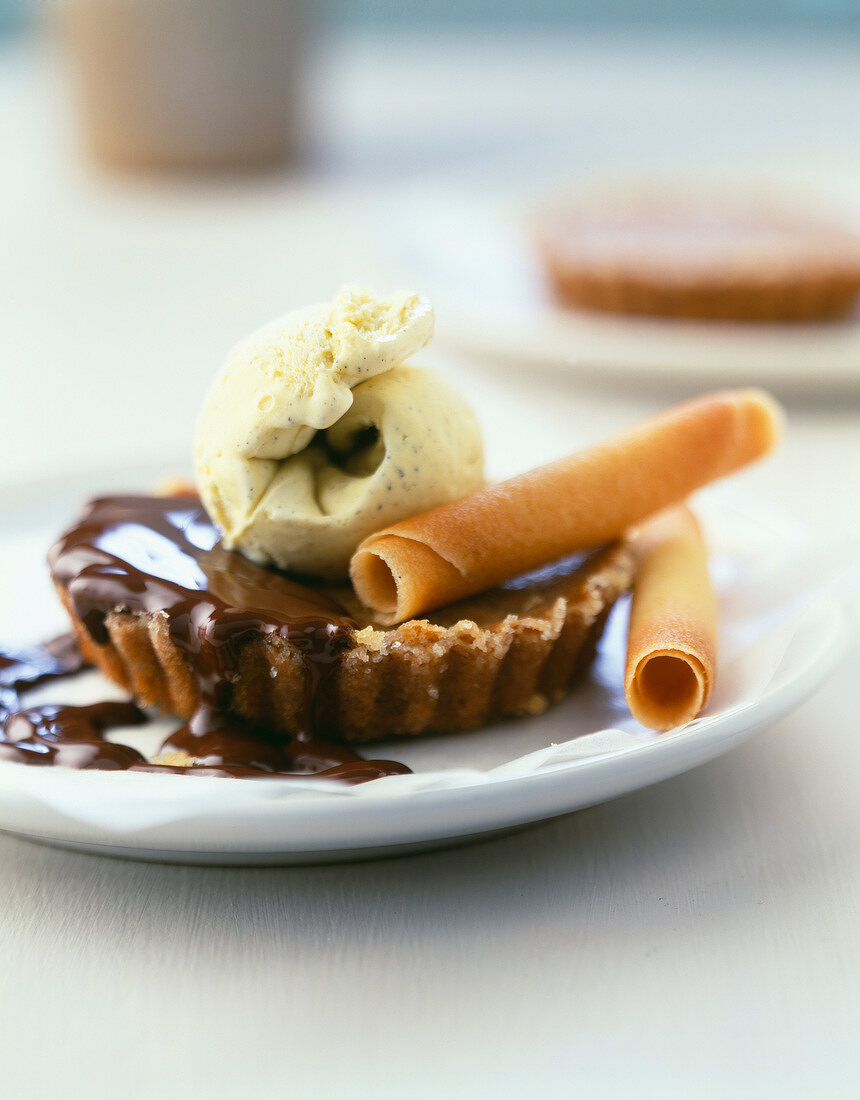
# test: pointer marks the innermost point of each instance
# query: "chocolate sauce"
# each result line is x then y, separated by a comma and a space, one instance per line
67, 735
71, 736
28, 666
161, 555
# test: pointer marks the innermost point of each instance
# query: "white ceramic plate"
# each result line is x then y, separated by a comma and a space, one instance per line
782, 630
472, 253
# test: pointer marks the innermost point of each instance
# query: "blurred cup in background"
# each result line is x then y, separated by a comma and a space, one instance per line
188, 84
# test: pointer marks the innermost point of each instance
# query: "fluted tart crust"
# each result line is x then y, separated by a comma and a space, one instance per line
511, 651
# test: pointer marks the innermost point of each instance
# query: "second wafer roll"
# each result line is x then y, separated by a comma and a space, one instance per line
576, 503
671, 646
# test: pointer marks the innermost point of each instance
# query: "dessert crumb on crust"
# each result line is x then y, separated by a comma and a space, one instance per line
175, 759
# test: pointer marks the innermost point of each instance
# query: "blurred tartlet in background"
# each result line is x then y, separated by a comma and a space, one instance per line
748, 258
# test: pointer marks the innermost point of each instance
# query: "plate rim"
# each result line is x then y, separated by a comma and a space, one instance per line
545, 333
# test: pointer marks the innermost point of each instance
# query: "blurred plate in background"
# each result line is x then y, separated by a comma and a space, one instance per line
473, 253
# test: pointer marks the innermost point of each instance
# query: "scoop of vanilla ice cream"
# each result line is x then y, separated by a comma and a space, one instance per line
315, 434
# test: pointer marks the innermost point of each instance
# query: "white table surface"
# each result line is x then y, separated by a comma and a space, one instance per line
699, 938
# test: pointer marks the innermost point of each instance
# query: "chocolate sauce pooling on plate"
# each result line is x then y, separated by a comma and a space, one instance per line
162, 555
52, 734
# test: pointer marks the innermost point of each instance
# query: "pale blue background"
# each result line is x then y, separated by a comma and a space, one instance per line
14, 14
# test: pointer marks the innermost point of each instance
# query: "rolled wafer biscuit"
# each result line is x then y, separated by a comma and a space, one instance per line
474, 543
671, 645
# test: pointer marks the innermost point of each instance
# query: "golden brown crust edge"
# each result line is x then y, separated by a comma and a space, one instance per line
796, 299
415, 679
817, 294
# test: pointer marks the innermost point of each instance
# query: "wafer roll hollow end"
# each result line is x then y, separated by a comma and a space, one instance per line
374, 581
667, 688
401, 578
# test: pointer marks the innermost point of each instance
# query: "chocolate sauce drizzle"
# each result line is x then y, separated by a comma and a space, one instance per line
162, 555
67, 735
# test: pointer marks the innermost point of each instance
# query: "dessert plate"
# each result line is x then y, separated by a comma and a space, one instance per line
785, 620
474, 255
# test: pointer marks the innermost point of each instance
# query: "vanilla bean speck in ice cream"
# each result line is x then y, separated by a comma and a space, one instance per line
316, 433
